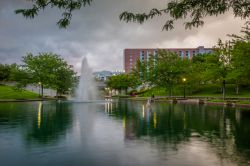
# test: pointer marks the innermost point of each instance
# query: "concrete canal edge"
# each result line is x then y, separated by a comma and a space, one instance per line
229, 103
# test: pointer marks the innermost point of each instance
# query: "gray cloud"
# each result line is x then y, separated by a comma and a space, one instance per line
97, 33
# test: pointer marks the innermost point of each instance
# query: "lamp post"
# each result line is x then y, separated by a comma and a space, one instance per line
184, 90
39, 83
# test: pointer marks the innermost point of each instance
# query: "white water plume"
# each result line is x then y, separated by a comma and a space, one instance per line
86, 90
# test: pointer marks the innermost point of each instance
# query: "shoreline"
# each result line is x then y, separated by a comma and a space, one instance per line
229, 103
27, 100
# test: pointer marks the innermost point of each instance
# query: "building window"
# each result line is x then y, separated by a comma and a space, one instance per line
155, 52
181, 54
142, 56
194, 52
188, 54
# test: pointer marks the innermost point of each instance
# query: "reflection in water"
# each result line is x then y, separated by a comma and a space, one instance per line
41, 123
222, 130
39, 114
51, 123
155, 120
123, 133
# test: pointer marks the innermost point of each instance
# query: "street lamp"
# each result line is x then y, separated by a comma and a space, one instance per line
39, 83
184, 92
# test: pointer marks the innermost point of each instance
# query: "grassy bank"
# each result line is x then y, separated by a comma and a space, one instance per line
203, 91
8, 92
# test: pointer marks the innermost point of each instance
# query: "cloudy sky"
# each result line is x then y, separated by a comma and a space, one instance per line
97, 33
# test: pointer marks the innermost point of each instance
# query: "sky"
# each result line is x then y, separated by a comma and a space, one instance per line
97, 33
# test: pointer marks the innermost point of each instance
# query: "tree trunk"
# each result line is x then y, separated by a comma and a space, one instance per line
237, 88
224, 89
57, 94
170, 94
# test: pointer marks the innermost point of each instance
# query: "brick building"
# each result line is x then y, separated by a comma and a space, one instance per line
131, 56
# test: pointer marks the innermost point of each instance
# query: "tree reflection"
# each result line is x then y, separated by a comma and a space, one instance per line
51, 122
39, 122
227, 130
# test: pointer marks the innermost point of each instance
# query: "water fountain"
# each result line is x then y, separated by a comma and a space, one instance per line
86, 90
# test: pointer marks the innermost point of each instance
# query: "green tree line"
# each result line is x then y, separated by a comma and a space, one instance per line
46, 70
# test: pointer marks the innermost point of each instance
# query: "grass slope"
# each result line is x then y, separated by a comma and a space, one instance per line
206, 91
8, 92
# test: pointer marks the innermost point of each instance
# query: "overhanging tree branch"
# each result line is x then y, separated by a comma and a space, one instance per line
192, 10
68, 5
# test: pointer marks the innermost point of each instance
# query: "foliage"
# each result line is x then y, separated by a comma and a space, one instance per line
140, 72
49, 70
67, 5
5, 71
245, 31
65, 79
122, 81
240, 62
21, 76
218, 64
193, 10
168, 71
240, 57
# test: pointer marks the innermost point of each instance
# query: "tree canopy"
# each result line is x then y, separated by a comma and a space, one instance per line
5, 71
193, 11
50, 70
122, 82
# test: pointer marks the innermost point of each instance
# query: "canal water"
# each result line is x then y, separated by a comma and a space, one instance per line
123, 133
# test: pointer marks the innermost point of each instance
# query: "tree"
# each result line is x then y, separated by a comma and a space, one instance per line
195, 74
140, 72
121, 82
5, 71
218, 65
48, 69
240, 57
168, 71
240, 64
21, 76
191, 10
65, 79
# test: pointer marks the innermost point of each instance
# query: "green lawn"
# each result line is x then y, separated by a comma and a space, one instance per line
205, 91
8, 92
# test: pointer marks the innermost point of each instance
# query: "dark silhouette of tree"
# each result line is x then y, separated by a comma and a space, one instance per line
193, 11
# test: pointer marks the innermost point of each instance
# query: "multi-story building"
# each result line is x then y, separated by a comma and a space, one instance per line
131, 56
